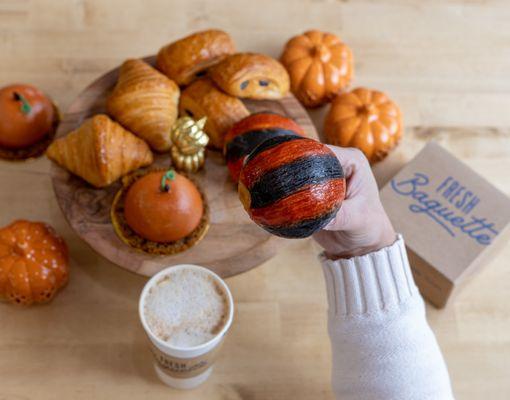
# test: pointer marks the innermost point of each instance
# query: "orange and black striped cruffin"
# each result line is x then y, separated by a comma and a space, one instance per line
251, 131
292, 186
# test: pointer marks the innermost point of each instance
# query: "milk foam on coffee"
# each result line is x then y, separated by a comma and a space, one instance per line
186, 308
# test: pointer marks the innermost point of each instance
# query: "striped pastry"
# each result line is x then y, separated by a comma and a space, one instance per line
251, 131
292, 186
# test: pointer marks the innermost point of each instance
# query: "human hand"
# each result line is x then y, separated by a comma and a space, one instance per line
361, 225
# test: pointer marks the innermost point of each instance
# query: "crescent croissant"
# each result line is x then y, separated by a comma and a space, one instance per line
145, 102
100, 151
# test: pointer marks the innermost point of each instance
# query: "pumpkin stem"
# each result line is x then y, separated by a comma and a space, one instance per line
25, 105
19, 249
370, 111
322, 52
165, 180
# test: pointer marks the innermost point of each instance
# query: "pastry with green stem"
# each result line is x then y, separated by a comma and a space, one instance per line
28, 122
160, 212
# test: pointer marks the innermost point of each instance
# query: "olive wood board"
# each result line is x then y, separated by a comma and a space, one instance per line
233, 244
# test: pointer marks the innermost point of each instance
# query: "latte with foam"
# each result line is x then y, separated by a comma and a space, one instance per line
186, 308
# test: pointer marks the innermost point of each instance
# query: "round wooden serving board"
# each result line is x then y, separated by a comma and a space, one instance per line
233, 244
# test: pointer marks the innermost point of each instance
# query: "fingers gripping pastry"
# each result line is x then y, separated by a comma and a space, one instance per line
252, 76
203, 99
100, 151
187, 59
145, 102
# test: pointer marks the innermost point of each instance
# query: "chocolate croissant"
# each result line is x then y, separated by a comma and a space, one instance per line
253, 76
145, 102
100, 151
187, 59
203, 99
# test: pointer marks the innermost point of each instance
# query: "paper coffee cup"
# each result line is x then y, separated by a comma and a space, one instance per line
184, 367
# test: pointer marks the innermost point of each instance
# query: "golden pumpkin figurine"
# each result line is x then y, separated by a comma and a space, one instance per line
188, 144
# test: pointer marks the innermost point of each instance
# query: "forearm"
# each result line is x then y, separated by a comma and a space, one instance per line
382, 345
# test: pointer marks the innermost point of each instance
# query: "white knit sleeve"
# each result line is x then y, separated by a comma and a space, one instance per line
383, 348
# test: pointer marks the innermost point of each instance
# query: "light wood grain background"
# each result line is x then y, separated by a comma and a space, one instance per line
445, 62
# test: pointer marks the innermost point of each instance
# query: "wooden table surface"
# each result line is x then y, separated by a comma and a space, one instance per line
446, 63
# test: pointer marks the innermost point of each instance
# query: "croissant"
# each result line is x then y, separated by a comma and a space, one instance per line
100, 151
203, 99
145, 102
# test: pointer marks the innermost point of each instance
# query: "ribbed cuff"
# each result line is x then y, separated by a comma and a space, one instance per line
371, 283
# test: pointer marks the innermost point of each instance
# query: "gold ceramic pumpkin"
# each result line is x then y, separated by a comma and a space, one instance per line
188, 144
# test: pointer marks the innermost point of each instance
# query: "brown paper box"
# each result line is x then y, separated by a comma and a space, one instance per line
451, 218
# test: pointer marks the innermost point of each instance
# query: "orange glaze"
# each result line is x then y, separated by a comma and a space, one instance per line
320, 65
280, 155
296, 207
262, 121
366, 119
22, 126
163, 216
34, 262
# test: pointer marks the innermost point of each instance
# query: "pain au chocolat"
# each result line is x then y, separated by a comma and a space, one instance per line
188, 58
252, 76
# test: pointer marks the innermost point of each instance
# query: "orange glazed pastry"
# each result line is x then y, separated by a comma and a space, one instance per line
100, 151
34, 262
203, 99
187, 59
253, 76
163, 212
319, 65
145, 102
28, 118
366, 119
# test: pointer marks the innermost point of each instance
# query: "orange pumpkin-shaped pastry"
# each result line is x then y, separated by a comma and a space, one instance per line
320, 65
33, 262
159, 212
366, 119
163, 210
27, 116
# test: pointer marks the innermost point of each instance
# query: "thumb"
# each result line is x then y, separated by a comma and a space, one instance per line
344, 219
